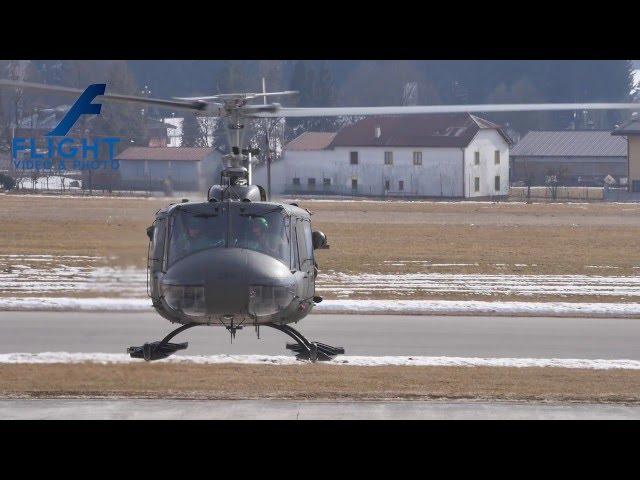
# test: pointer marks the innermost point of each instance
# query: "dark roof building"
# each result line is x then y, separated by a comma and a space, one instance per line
579, 157
570, 143
420, 130
421, 155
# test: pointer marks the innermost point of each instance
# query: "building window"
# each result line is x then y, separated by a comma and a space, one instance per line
326, 182
476, 184
354, 184
401, 185
476, 158
497, 183
417, 158
311, 182
296, 181
388, 158
354, 158
387, 185
496, 157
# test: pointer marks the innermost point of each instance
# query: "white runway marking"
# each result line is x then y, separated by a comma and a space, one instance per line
138, 409
345, 360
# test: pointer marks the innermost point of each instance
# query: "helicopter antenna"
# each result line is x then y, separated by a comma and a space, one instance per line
267, 145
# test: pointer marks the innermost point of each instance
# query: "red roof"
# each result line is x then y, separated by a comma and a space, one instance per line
165, 154
311, 141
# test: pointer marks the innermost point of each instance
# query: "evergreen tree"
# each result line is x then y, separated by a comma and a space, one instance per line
119, 119
300, 83
192, 134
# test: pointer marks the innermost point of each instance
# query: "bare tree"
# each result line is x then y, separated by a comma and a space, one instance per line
555, 177
528, 179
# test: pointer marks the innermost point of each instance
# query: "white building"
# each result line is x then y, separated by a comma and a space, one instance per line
207, 125
452, 155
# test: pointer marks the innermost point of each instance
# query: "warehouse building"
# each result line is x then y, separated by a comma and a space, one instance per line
570, 157
438, 155
167, 168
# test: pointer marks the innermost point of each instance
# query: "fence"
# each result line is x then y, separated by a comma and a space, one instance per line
585, 194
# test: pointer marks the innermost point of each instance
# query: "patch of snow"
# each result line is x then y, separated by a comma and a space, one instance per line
405, 307
52, 182
67, 304
368, 361
40, 274
480, 284
472, 307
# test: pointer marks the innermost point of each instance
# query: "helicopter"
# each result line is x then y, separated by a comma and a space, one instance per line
239, 259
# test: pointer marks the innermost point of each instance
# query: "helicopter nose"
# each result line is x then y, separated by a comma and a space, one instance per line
226, 275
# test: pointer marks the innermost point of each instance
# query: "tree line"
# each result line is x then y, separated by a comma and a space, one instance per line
323, 83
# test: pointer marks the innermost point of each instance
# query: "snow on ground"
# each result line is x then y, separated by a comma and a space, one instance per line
343, 284
71, 304
40, 274
406, 307
472, 307
52, 182
118, 358
347, 199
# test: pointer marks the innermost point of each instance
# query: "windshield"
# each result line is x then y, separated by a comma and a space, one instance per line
196, 228
193, 231
263, 232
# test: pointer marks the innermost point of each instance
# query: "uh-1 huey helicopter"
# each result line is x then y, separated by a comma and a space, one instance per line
238, 259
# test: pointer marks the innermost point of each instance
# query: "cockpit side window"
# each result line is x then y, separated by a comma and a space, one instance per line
194, 231
295, 258
159, 235
308, 239
266, 232
305, 249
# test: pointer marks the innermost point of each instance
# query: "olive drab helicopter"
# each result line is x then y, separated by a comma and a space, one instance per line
238, 259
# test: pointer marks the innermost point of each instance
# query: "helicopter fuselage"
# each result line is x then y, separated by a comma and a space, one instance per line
232, 263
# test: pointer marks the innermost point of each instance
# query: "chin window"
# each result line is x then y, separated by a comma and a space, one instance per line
185, 298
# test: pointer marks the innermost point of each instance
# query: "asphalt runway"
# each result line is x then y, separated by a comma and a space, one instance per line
463, 336
64, 409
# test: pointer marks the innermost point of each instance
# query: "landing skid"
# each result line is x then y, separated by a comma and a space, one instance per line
161, 349
303, 348
306, 350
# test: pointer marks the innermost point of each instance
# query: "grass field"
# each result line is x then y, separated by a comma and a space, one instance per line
367, 236
232, 381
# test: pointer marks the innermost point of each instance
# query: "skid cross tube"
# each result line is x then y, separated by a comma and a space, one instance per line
303, 348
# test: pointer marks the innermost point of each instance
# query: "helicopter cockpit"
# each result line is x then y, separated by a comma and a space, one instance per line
200, 227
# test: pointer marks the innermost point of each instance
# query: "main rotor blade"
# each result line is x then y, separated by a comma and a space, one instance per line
110, 97
232, 96
271, 94
399, 110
